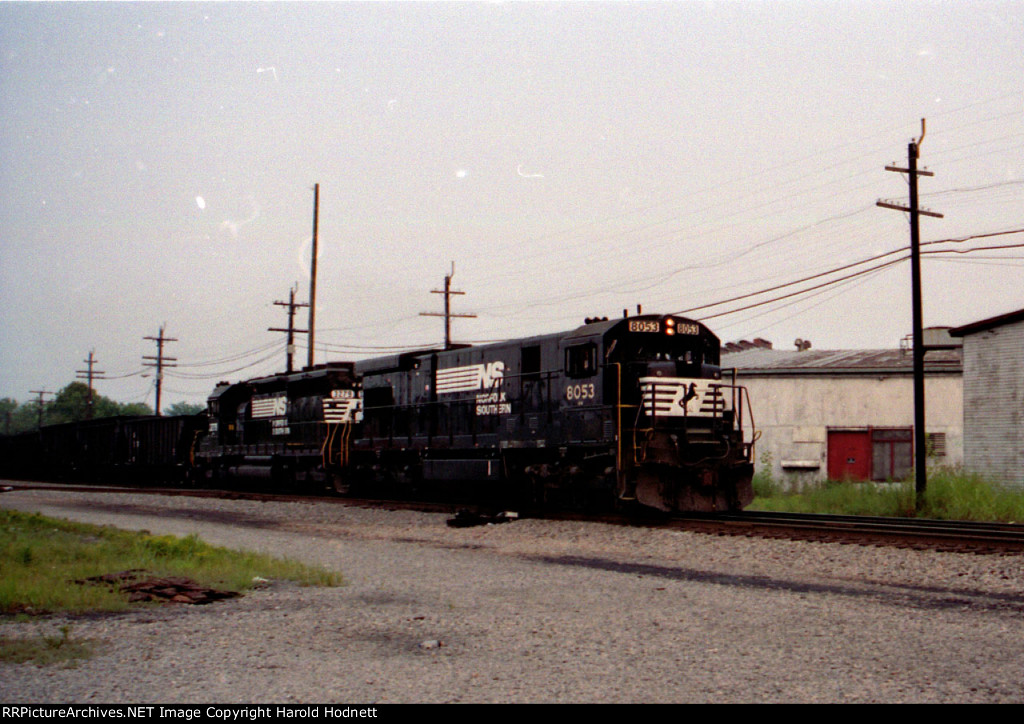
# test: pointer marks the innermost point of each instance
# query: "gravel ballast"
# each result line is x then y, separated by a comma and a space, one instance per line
537, 611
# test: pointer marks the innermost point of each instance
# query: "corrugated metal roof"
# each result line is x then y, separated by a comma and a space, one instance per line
844, 361
990, 323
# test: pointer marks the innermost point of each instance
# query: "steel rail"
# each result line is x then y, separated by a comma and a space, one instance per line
867, 530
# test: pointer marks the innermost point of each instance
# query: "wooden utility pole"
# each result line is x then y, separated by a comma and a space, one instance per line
89, 376
312, 275
447, 308
39, 402
159, 361
291, 331
920, 449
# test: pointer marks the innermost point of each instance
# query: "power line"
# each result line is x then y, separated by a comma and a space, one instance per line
804, 291
89, 374
40, 403
913, 153
291, 331
160, 361
223, 373
233, 358
448, 314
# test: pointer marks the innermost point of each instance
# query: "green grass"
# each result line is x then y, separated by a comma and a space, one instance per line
951, 495
42, 558
60, 649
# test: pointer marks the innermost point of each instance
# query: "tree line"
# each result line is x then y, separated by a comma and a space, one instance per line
71, 404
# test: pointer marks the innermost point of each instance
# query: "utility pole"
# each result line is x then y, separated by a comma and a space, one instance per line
159, 361
89, 375
920, 450
291, 331
39, 402
447, 308
312, 274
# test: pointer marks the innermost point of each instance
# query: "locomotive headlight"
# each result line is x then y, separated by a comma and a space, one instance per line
670, 326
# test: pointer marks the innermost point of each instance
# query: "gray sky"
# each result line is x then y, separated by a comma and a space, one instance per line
157, 163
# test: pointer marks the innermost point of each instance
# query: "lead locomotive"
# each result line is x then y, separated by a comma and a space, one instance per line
627, 409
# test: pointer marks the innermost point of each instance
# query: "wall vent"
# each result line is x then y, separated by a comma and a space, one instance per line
936, 444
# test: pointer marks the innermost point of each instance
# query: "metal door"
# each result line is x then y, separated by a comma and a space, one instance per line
849, 454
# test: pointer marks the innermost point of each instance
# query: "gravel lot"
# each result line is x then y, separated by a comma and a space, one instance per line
536, 611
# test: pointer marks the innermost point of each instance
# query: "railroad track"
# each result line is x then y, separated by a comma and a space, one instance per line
930, 534
925, 534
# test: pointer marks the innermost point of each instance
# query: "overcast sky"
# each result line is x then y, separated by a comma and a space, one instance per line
157, 162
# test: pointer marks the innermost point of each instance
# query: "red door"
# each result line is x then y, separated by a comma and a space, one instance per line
849, 454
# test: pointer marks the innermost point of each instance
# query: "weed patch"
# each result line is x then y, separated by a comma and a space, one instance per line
45, 562
45, 650
951, 495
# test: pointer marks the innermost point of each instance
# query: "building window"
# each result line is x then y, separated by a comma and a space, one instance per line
892, 453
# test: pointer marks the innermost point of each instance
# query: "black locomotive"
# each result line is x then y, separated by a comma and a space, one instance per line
290, 429
633, 409
630, 409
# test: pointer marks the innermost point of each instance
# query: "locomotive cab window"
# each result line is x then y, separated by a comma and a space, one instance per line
581, 360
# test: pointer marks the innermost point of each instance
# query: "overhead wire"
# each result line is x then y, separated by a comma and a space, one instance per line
843, 287
650, 283
525, 254
830, 282
204, 376
234, 357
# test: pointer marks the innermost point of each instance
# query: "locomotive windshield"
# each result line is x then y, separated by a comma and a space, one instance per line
663, 350
684, 343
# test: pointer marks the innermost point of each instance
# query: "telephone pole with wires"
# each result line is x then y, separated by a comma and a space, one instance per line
159, 362
291, 331
312, 275
447, 314
920, 450
89, 375
40, 402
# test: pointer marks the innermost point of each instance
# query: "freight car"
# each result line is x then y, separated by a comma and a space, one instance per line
124, 449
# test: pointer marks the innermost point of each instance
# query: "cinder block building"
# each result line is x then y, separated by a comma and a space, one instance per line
993, 351
849, 414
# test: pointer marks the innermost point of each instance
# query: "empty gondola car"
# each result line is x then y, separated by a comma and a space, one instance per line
123, 449
621, 410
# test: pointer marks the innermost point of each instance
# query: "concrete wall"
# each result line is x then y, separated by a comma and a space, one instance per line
794, 413
993, 404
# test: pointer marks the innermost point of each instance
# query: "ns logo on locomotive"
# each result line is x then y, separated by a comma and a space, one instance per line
633, 409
